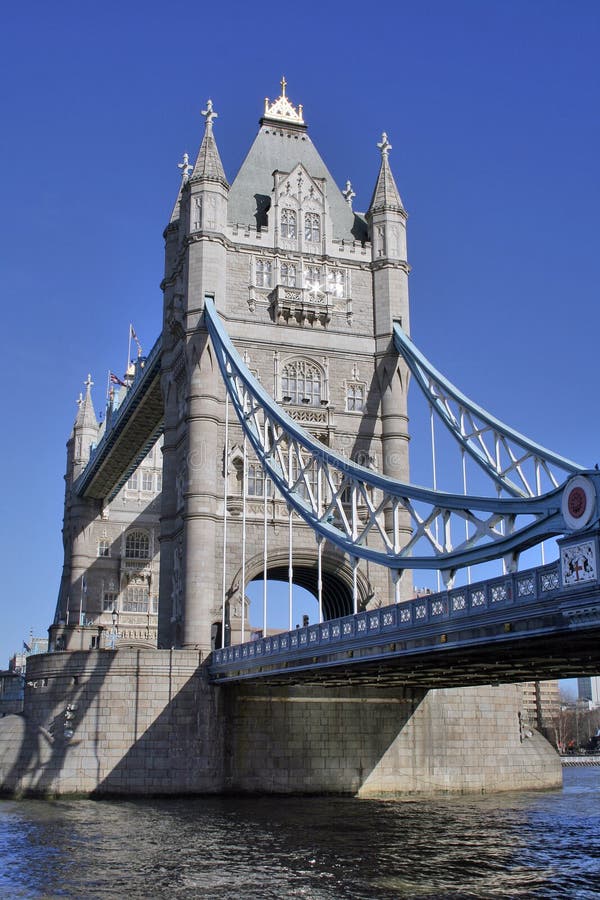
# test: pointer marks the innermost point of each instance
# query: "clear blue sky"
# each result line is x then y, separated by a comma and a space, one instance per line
492, 111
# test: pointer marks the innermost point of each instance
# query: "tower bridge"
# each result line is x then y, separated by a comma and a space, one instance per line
277, 394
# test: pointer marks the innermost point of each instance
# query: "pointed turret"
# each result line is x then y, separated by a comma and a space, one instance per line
385, 196
86, 415
387, 224
85, 429
208, 165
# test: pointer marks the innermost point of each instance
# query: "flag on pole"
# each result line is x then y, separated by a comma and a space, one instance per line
27, 647
114, 379
135, 338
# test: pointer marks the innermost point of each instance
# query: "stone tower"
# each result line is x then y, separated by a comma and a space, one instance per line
109, 586
309, 291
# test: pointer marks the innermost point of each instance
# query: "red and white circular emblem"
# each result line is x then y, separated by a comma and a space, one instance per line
578, 502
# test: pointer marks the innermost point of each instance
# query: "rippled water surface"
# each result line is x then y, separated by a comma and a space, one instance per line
511, 845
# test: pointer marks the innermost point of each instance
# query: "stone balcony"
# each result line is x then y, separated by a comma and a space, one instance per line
303, 305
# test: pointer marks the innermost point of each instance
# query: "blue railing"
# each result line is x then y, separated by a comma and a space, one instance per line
520, 588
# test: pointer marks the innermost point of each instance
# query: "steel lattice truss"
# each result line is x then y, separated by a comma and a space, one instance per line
516, 464
372, 517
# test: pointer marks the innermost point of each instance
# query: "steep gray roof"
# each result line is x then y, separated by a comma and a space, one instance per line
385, 195
278, 147
86, 416
208, 164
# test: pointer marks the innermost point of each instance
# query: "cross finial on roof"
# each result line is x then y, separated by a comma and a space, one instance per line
385, 145
80, 399
88, 383
209, 114
281, 109
185, 167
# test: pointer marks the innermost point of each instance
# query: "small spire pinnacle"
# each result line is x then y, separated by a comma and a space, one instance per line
208, 162
385, 196
385, 145
185, 167
283, 84
348, 194
85, 408
209, 114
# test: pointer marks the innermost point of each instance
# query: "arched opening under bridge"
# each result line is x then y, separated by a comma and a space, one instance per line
337, 590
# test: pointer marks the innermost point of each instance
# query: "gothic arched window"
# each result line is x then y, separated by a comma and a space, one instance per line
301, 382
288, 274
313, 278
335, 283
137, 545
312, 227
355, 396
255, 485
263, 273
288, 223
304, 477
135, 598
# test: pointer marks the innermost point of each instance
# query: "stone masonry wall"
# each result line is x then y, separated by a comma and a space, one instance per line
137, 721
370, 742
127, 721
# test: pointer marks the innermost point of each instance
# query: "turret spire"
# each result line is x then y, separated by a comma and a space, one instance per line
208, 164
86, 416
385, 195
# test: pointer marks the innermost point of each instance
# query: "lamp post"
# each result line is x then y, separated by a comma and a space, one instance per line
114, 633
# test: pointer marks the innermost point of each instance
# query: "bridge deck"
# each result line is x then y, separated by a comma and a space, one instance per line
520, 627
132, 431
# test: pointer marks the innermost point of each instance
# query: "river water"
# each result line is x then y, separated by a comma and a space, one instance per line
521, 845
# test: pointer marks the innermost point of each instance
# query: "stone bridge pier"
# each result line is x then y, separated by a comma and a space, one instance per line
139, 721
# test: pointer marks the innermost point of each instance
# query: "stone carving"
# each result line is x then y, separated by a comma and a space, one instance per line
197, 214
211, 211
209, 114
177, 583
180, 486
385, 145
176, 316
185, 167
394, 241
348, 194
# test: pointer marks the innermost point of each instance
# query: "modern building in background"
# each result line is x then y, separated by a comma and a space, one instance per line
589, 689
12, 692
541, 705
12, 680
